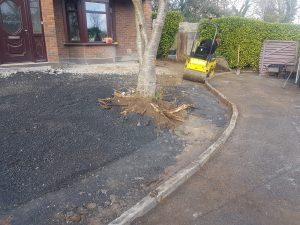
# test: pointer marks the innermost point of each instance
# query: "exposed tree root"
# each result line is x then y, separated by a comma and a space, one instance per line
164, 114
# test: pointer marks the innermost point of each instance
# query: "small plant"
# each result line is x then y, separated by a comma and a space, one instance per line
158, 95
169, 32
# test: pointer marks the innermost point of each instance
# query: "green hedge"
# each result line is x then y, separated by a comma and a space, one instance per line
169, 32
249, 34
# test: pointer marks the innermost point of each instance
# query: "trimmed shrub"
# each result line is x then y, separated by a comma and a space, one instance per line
249, 34
169, 32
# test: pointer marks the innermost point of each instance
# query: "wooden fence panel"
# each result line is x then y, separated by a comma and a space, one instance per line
278, 52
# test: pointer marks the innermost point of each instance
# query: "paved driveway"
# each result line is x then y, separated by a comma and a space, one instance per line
255, 179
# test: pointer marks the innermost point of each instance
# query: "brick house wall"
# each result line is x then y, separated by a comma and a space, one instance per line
125, 28
148, 15
58, 50
63, 52
47, 8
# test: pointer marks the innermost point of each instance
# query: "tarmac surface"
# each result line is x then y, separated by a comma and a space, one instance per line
255, 178
64, 158
48, 122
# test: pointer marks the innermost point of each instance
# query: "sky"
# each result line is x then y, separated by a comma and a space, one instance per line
297, 17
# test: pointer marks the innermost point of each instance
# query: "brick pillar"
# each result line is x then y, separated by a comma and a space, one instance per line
50, 30
148, 15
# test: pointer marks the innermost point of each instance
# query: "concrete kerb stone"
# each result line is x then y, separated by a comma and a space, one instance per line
169, 186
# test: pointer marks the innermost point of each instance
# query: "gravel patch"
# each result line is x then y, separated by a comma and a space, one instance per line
128, 68
65, 159
6, 72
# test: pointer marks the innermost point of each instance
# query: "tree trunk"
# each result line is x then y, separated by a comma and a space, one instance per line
147, 76
147, 48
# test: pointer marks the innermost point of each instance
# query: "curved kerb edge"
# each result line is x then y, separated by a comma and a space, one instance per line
169, 186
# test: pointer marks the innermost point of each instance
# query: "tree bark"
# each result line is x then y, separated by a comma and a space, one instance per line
147, 48
139, 42
140, 19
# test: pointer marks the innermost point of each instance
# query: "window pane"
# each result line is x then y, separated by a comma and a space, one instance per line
35, 16
11, 18
34, 3
71, 6
73, 26
95, 6
96, 26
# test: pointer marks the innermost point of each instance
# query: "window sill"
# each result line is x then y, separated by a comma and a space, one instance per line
90, 44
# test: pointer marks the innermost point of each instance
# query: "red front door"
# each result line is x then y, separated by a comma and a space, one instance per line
14, 32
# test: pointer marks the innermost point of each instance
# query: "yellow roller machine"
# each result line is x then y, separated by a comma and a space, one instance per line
201, 63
